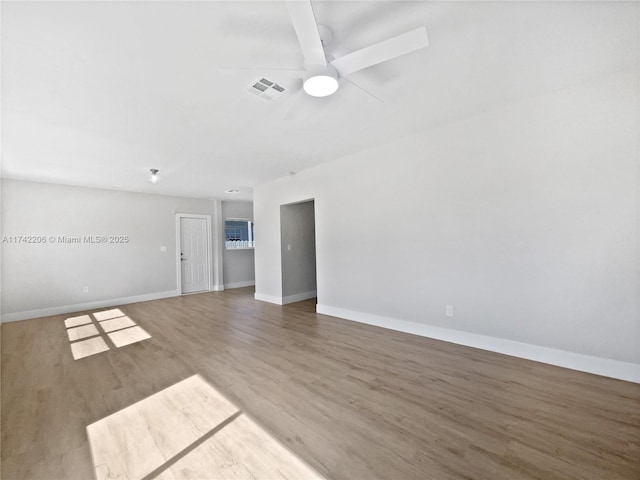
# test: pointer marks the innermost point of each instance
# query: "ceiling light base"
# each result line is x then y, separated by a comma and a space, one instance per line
320, 81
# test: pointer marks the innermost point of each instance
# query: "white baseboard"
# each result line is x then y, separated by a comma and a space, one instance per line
249, 283
46, 312
575, 361
217, 288
267, 298
285, 300
298, 297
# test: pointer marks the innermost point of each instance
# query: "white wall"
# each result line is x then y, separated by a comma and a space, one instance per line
239, 265
525, 218
298, 251
40, 279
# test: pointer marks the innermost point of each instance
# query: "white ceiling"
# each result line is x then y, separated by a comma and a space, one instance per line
97, 93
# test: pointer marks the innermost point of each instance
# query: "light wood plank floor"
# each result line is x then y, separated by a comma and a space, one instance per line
350, 400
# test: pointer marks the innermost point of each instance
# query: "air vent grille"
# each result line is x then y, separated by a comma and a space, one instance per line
266, 89
260, 86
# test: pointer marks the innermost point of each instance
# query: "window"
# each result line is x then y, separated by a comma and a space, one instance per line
233, 234
238, 233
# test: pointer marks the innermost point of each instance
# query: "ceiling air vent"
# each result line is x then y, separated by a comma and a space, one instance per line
266, 89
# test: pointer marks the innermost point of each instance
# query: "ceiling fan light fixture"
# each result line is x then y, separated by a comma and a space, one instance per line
321, 81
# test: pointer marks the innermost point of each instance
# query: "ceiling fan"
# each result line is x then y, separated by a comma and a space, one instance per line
322, 74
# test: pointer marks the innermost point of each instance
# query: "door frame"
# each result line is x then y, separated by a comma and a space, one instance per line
180, 216
284, 300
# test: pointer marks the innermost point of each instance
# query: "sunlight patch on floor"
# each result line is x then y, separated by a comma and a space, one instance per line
240, 450
116, 324
89, 337
107, 314
128, 336
86, 348
187, 431
75, 321
77, 333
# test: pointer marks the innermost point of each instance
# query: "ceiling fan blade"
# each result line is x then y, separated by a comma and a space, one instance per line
304, 23
302, 106
375, 97
381, 52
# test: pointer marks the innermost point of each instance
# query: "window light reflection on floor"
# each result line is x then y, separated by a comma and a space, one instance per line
89, 347
117, 324
77, 333
89, 337
128, 336
76, 321
107, 314
188, 430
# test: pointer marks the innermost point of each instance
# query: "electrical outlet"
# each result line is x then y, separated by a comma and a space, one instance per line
289, 247
449, 310
85, 289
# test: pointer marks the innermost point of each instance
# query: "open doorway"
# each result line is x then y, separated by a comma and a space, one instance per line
298, 251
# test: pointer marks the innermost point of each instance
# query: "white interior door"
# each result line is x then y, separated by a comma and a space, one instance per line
194, 259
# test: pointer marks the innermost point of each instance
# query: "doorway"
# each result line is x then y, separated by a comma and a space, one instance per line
298, 251
193, 253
